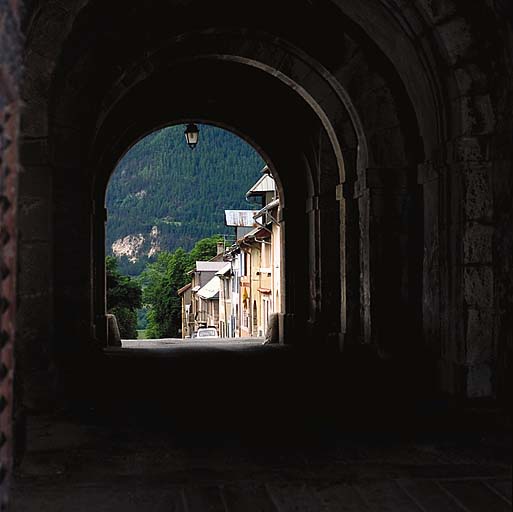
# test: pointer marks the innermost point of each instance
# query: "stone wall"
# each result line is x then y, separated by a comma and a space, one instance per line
10, 51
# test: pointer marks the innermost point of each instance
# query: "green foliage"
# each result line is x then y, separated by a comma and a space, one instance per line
142, 319
161, 182
205, 249
127, 322
124, 297
162, 279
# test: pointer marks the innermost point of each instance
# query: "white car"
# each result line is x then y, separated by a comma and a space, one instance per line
207, 332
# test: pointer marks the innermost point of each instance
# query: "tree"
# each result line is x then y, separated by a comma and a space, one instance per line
124, 298
161, 281
205, 249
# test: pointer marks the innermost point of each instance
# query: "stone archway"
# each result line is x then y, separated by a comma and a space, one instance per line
382, 99
392, 94
329, 122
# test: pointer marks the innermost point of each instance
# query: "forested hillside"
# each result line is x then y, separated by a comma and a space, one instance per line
165, 195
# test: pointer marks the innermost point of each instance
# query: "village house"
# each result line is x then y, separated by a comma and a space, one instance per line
262, 245
239, 295
227, 311
243, 222
255, 262
200, 301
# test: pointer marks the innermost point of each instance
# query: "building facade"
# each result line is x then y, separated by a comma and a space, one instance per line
243, 291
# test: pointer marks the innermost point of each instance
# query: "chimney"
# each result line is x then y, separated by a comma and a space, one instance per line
220, 248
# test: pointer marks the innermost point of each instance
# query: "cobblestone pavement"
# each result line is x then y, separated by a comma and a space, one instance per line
220, 428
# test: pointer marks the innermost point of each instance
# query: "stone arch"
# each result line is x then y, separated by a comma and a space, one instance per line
426, 74
109, 137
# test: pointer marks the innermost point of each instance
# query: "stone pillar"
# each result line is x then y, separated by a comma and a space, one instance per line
350, 263
387, 260
434, 295
324, 268
342, 237
73, 266
35, 350
294, 274
459, 314
314, 264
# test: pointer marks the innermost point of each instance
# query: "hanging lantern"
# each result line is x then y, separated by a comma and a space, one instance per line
192, 135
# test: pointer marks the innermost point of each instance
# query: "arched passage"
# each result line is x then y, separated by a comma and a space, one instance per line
364, 102
325, 146
189, 103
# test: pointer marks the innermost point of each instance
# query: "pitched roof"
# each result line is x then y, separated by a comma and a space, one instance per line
264, 184
182, 290
209, 266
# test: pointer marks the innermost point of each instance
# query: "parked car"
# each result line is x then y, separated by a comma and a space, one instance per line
207, 332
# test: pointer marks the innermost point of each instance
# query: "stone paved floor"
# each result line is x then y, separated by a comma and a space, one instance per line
232, 429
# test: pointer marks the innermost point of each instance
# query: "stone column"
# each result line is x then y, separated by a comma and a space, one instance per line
387, 256
434, 295
458, 290
36, 320
314, 264
293, 319
324, 268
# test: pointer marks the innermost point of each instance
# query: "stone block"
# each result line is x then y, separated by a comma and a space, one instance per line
477, 243
113, 336
479, 336
477, 193
478, 286
476, 149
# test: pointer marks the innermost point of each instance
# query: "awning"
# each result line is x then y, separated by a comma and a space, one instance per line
211, 289
264, 290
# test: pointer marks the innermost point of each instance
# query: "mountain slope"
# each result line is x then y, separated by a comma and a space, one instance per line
163, 195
